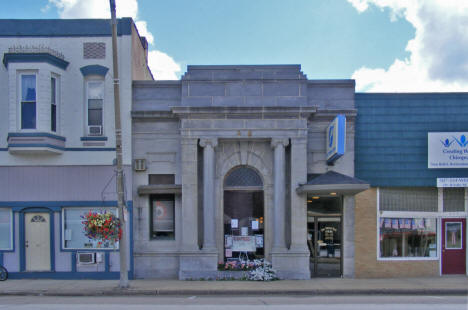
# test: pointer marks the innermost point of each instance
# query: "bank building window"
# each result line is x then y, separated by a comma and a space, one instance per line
162, 220
406, 224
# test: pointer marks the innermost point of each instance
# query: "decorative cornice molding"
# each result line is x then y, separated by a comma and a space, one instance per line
34, 57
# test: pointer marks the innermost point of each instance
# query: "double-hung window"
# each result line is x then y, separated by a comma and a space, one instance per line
6, 229
95, 101
28, 101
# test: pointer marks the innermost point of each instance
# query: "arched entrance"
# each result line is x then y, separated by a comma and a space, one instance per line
243, 216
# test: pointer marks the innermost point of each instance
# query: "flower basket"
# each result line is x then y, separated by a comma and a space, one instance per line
103, 227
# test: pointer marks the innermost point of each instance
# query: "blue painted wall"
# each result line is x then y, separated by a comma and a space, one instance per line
391, 136
62, 27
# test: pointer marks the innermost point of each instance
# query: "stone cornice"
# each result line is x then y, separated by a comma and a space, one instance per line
244, 112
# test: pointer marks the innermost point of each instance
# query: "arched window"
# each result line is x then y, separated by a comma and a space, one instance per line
243, 177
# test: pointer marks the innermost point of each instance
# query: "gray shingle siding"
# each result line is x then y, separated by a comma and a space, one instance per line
391, 135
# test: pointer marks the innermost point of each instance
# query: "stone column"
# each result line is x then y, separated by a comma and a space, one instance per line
189, 194
208, 193
348, 236
279, 244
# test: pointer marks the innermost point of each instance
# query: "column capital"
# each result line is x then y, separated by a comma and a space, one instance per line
209, 141
279, 141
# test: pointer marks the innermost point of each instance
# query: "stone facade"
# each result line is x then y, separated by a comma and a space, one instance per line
269, 118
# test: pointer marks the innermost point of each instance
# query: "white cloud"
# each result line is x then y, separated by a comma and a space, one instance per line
438, 59
162, 65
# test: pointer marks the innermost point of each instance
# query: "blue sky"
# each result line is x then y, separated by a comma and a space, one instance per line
386, 45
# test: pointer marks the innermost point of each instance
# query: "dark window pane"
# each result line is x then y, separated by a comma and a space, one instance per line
53, 90
161, 179
28, 115
94, 104
95, 117
53, 117
243, 176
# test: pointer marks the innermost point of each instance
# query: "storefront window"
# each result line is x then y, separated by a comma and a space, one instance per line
73, 230
408, 237
6, 229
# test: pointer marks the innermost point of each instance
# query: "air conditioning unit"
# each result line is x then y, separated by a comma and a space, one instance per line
86, 258
95, 130
139, 164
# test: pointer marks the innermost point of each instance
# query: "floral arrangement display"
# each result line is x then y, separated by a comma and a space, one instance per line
263, 271
236, 265
102, 227
258, 269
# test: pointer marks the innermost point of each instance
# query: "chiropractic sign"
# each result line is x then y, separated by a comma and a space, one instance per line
447, 150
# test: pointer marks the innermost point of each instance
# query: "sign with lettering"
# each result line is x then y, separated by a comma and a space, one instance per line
447, 150
243, 244
452, 182
336, 138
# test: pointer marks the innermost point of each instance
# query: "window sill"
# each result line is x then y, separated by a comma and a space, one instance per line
35, 143
91, 141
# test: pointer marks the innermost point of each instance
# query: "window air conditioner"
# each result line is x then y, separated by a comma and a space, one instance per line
86, 258
140, 164
95, 130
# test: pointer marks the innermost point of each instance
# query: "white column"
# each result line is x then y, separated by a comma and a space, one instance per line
279, 145
208, 192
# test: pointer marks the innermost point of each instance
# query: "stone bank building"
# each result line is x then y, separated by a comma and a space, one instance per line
231, 162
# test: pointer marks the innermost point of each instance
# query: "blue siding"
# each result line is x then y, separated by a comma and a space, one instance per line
391, 136
62, 27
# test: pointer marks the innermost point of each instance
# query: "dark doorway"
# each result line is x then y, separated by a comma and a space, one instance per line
324, 236
243, 225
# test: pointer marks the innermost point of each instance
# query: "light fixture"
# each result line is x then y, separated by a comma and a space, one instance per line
309, 200
315, 197
333, 194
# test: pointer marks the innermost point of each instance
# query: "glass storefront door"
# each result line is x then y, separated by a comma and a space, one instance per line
324, 236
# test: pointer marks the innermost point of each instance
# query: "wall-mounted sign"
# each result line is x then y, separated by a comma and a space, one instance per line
336, 138
452, 182
447, 150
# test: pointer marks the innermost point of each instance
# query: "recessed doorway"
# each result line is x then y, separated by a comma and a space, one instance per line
243, 220
324, 236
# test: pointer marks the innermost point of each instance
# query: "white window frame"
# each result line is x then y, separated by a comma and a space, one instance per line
94, 80
407, 214
20, 100
85, 209
11, 230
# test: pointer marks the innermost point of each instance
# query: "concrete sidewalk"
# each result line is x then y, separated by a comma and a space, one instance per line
447, 285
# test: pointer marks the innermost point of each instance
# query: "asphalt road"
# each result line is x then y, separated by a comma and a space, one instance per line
237, 302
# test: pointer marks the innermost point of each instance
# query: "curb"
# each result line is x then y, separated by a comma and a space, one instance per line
173, 292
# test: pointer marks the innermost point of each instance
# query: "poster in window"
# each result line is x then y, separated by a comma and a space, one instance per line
395, 223
163, 215
408, 223
388, 223
453, 236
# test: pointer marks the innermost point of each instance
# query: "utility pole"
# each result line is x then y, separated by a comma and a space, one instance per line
123, 244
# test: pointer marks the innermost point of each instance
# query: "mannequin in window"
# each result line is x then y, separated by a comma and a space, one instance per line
328, 234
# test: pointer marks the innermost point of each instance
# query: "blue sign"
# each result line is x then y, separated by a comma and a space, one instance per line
336, 138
